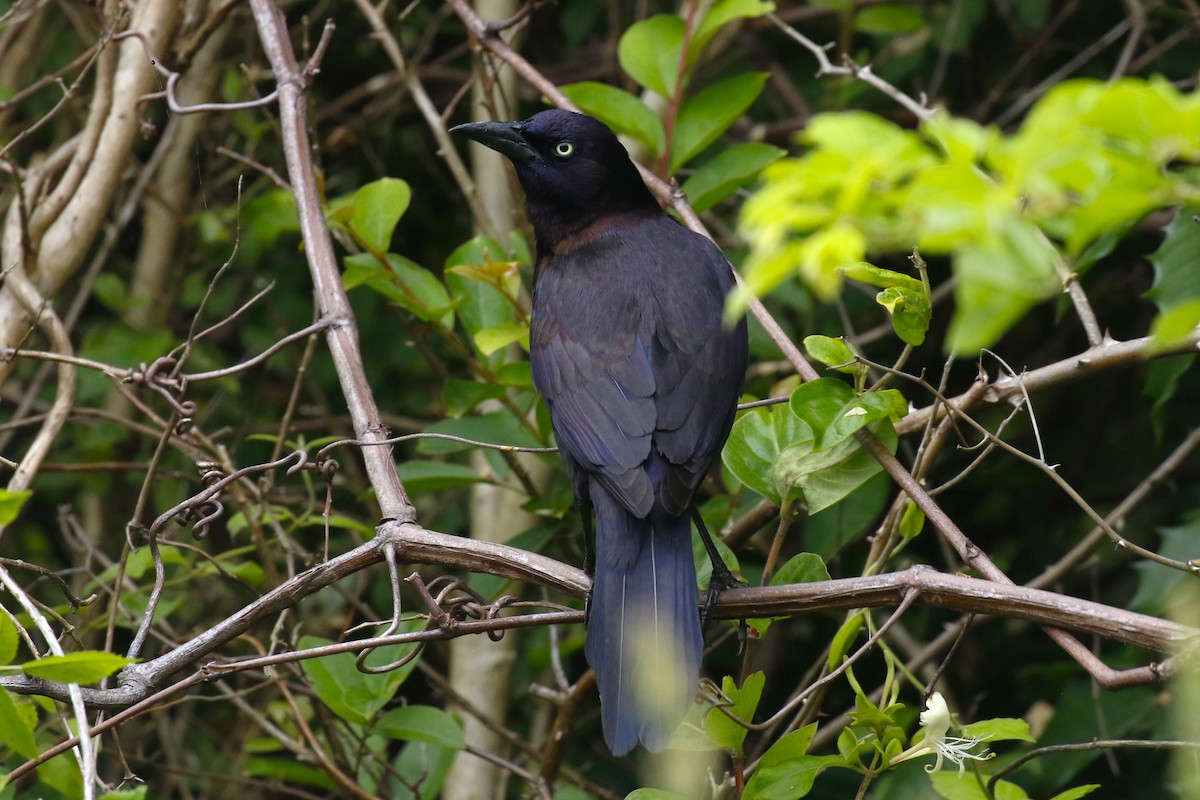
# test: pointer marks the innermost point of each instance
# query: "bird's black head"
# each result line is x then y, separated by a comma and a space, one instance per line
578, 178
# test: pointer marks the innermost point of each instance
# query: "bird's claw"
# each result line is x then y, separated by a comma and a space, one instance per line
721, 580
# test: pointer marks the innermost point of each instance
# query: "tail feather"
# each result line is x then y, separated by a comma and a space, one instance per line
643, 639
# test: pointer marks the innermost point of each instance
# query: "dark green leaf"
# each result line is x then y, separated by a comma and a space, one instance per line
888, 20
290, 770
726, 172
1177, 273
819, 403
423, 766
422, 724
498, 427
353, 695
801, 568
461, 396
420, 477
757, 439
822, 478
707, 114
786, 771
405, 283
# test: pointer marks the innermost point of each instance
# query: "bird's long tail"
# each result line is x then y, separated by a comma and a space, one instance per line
643, 638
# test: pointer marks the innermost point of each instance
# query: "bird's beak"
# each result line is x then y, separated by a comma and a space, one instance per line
503, 137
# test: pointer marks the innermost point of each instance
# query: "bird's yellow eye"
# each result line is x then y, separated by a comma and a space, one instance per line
564, 149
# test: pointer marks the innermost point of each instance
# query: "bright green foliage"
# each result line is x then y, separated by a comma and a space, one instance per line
18, 718
1090, 160
10, 504
371, 213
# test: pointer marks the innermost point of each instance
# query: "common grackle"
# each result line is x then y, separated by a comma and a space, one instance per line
641, 378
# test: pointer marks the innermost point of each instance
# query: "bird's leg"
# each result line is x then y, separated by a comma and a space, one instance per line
589, 557
722, 578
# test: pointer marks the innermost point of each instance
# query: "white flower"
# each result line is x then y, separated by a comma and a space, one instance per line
936, 721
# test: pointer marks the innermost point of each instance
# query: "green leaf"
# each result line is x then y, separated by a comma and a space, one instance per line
405, 283
1176, 324
1177, 276
86, 666
290, 770
649, 51
801, 568
461, 396
721, 729
653, 794
862, 411
785, 771
137, 793
754, 445
839, 646
952, 786
421, 766
911, 313
17, 724
819, 403
498, 427
1000, 729
825, 477
888, 20
999, 279
831, 352
707, 114
357, 696
720, 14
376, 208
619, 110
480, 304
10, 504
911, 521
1077, 792
420, 477
872, 275
489, 340
8, 640
726, 172
422, 724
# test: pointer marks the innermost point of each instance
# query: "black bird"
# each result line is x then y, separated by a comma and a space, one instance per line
641, 378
